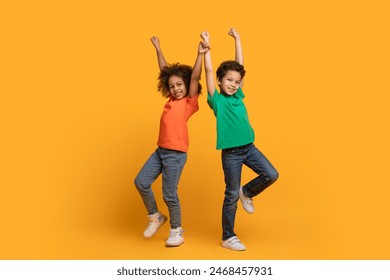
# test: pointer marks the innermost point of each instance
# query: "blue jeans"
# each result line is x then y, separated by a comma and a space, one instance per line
170, 164
232, 161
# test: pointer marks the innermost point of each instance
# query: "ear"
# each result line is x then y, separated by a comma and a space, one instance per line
218, 81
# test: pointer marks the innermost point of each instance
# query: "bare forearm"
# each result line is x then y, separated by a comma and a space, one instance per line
161, 59
209, 73
207, 62
239, 55
208, 65
197, 67
195, 76
160, 56
237, 41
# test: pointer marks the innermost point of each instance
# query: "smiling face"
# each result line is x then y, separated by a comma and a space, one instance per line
177, 87
230, 82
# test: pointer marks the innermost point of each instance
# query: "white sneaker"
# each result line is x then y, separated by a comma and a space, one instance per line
175, 237
233, 243
247, 202
155, 222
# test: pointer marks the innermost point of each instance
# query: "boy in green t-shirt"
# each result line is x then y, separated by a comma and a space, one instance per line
235, 138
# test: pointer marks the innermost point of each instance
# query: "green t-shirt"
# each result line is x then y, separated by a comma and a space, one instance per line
233, 127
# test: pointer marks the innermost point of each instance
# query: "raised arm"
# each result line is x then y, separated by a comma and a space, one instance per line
160, 57
208, 65
197, 70
238, 49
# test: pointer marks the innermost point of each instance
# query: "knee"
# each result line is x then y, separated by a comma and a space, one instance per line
138, 183
273, 175
231, 198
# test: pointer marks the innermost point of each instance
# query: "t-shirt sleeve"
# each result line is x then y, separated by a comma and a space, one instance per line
192, 105
240, 93
211, 100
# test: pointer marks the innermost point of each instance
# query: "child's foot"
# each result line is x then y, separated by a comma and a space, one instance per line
247, 202
175, 237
155, 222
233, 243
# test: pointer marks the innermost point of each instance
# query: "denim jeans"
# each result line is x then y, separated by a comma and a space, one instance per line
232, 161
170, 164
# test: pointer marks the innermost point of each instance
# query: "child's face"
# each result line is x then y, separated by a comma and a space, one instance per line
177, 87
230, 82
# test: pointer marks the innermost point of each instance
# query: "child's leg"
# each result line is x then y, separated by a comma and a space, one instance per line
173, 164
262, 166
148, 174
232, 166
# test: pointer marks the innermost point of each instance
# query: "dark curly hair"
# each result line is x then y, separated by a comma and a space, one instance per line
176, 69
230, 65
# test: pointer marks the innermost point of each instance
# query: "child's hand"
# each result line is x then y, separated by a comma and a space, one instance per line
155, 41
205, 36
234, 33
203, 47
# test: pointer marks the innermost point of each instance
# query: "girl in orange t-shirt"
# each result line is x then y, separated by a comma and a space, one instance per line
179, 83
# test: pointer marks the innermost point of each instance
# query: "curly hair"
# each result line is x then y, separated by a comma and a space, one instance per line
176, 69
227, 65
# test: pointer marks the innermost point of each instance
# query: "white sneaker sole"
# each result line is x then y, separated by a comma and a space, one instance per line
174, 244
227, 246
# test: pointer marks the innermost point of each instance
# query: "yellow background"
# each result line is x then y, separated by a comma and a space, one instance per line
80, 113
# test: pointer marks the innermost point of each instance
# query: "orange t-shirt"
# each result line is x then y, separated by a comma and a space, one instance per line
173, 123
